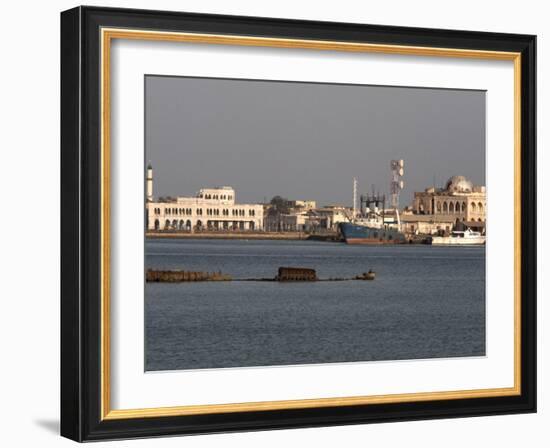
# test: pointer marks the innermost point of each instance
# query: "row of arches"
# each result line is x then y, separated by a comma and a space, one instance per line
223, 197
186, 225
173, 211
177, 211
174, 224
456, 207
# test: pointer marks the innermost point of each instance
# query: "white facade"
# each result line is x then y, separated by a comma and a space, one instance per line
334, 215
210, 209
149, 183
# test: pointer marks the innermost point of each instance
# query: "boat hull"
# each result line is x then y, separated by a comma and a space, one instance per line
453, 241
361, 234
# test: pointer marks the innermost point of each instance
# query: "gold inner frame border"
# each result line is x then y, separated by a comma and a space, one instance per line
107, 35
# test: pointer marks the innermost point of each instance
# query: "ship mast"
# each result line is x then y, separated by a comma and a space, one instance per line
354, 198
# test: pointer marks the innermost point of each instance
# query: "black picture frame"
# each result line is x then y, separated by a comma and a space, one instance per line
81, 224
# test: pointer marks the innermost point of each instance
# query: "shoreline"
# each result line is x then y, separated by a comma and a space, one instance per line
299, 236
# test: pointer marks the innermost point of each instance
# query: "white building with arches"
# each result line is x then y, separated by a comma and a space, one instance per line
458, 204
211, 209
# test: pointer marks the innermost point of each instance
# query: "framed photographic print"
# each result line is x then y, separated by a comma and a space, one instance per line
273, 223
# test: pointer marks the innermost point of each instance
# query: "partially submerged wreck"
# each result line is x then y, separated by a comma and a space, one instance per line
287, 274
154, 275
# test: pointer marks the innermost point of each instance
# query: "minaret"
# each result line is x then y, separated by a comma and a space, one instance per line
354, 198
149, 183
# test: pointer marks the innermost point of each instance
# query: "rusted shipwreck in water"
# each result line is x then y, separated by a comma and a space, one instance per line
285, 274
154, 275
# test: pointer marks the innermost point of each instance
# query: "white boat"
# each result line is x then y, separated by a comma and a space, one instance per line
459, 238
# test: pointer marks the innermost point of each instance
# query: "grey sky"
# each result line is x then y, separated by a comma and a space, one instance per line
306, 140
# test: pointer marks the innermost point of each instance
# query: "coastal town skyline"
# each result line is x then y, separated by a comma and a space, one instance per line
266, 245
438, 132
348, 202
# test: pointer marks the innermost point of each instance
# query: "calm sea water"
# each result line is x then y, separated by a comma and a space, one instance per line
426, 302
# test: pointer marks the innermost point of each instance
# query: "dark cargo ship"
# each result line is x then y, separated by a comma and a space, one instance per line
356, 233
371, 225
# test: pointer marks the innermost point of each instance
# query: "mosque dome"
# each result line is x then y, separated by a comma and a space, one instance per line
459, 184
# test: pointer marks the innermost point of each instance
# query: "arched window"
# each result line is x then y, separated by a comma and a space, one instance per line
445, 209
175, 224
157, 224
251, 225
438, 206
464, 206
188, 224
180, 225
480, 207
199, 224
473, 206
451, 208
457, 207
167, 224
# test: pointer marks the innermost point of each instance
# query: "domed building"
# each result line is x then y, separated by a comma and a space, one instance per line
459, 184
459, 204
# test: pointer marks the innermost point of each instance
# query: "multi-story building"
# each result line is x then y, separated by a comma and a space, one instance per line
310, 220
458, 204
209, 209
303, 204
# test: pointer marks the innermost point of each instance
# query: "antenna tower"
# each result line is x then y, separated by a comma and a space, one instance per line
397, 183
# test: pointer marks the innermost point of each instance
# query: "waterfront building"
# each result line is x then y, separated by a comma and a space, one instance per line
459, 204
426, 224
210, 209
333, 215
303, 204
307, 220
